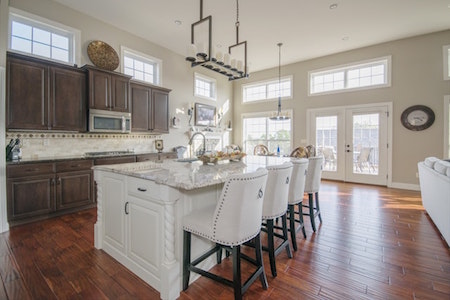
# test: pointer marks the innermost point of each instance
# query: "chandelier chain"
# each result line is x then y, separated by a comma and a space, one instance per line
237, 13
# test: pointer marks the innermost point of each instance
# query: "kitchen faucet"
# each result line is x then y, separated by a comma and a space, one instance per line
200, 152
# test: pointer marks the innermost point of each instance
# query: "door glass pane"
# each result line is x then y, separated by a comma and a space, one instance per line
366, 143
326, 141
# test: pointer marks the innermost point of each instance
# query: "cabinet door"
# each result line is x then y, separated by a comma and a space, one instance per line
160, 114
140, 107
144, 231
114, 193
26, 95
99, 89
74, 189
120, 95
30, 196
68, 99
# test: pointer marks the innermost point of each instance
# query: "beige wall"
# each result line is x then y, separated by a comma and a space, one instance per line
177, 74
417, 78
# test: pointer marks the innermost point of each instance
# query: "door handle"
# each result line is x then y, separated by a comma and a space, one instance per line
126, 208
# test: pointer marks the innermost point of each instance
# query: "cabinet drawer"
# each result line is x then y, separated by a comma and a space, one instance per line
147, 157
29, 169
144, 189
74, 165
169, 155
114, 160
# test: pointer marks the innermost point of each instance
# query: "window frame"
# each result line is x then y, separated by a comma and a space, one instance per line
266, 115
145, 58
266, 83
446, 54
211, 80
73, 34
386, 60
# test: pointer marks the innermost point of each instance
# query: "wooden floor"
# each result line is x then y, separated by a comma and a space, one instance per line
374, 243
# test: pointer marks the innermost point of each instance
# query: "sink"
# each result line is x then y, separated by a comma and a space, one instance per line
187, 159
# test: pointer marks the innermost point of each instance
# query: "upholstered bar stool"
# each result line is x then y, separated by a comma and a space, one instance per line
235, 220
275, 204
295, 198
312, 185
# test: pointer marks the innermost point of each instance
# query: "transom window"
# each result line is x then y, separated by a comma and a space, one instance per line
141, 66
41, 38
270, 89
368, 74
204, 86
259, 129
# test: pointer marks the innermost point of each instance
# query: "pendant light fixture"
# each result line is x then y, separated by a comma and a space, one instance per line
279, 116
200, 53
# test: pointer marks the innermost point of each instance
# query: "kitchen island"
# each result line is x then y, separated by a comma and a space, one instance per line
140, 207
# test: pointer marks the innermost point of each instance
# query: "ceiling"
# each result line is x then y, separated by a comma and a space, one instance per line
307, 28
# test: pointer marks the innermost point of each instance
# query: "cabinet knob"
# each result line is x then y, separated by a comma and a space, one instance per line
141, 189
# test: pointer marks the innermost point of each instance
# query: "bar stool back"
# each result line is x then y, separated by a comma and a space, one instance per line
296, 193
275, 205
312, 186
235, 220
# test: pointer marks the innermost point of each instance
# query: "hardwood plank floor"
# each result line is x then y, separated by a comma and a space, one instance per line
374, 243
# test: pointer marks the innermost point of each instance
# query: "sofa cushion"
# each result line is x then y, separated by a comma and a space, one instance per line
441, 167
430, 161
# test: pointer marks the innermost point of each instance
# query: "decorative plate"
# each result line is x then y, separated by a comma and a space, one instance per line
417, 117
103, 55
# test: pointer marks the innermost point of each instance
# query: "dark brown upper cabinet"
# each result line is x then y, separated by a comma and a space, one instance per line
108, 90
149, 108
41, 95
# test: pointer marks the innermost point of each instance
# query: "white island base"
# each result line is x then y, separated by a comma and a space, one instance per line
140, 207
139, 224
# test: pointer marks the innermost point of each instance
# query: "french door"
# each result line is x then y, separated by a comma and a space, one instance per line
353, 141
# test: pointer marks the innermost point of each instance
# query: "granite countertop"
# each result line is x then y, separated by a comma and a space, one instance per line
44, 159
189, 176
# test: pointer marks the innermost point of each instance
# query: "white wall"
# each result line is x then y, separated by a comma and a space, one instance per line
417, 68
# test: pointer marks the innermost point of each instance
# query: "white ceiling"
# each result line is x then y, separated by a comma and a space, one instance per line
307, 28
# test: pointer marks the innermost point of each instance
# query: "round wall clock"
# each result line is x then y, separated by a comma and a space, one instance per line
417, 117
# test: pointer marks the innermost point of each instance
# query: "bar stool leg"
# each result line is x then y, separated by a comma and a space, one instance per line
317, 206
259, 261
285, 236
237, 272
271, 246
186, 258
311, 212
292, 226
300, 214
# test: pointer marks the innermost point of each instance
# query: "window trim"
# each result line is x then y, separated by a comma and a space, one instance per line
349, 66
267, 114
446, 126
266, 82
446, 54
52, 26
206, 78
158, 62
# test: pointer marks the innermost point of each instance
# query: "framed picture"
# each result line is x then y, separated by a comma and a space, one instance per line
205, 115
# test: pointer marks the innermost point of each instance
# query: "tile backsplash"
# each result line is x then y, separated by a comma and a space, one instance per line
38, 144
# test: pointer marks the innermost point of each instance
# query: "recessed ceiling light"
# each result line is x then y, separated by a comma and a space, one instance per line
345, 38
333, 6
178, 22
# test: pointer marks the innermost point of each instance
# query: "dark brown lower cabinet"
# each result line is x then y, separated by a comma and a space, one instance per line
30, 197
40, 190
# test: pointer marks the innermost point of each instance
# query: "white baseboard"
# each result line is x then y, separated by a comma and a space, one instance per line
405, 186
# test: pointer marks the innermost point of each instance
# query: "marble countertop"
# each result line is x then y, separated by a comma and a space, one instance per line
191, 175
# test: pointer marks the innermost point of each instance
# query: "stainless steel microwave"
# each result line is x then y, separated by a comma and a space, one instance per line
109, 121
